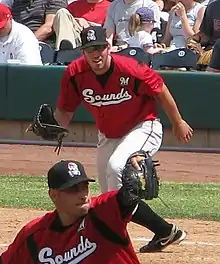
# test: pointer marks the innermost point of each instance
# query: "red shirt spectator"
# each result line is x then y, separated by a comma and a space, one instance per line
92, 11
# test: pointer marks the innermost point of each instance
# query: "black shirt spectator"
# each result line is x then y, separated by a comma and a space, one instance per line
211, 23
38, 15
214, 65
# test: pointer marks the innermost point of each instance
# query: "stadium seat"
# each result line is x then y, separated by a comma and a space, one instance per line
47, 53
65, 57
136, 53
178, 58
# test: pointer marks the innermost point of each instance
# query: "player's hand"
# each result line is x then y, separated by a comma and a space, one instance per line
182, 131
135, 160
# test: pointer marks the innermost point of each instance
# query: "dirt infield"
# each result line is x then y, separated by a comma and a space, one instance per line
202, 245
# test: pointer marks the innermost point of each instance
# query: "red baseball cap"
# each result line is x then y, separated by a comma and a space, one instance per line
5, 14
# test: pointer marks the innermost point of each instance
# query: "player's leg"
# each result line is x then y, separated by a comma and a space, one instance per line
148, 136
105, 148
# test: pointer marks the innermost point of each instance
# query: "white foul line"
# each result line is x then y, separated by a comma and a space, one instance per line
190, 243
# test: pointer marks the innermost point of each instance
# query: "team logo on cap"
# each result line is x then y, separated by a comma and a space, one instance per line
73, 169
91, 35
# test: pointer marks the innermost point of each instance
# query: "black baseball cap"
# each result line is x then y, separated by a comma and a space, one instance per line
93, 36
65, 174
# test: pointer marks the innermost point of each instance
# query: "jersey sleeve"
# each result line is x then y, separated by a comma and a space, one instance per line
149, 82
107, 209
18, 251
69, 98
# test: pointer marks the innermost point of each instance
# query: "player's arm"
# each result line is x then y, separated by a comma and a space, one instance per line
181, 129
126, 208
128, 195
152, 85
68, 99
62, 117
169, 105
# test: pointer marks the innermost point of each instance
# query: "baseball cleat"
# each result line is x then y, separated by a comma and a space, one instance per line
157, 244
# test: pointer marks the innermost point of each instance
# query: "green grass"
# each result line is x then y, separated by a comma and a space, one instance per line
184, 200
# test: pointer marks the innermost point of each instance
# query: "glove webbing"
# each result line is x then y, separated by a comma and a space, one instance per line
59, 145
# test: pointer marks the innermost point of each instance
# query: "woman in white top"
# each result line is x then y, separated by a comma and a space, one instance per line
185, 18
140, 26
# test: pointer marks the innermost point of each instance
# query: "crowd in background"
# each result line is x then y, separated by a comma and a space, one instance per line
158, 26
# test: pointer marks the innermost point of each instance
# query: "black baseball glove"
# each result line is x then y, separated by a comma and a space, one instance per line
45, 126
143, 183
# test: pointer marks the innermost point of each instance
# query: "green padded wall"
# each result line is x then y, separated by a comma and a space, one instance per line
197, 95
3, 91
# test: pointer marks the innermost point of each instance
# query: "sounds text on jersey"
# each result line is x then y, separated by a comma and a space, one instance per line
105, 99
73, 256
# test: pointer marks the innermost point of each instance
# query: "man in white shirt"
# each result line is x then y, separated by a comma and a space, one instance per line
17, 42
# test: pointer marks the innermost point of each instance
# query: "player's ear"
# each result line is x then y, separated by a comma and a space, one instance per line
53, 195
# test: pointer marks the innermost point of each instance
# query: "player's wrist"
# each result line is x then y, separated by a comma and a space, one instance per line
178, 122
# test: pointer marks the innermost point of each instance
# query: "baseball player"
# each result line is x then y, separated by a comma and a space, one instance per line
121, 94
81, 229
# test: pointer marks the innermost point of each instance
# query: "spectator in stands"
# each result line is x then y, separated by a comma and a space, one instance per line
207, 2
118, 16
163, 14
168, 5
17, 42
38, 15
184, 21
80, 14
140, 26
210, 28
208, 34
214, 65
158, 34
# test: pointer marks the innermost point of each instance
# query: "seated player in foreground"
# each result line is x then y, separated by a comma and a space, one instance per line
81, 229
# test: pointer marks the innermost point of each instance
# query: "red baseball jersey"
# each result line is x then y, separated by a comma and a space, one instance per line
118, 105
91, 12
45, 240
